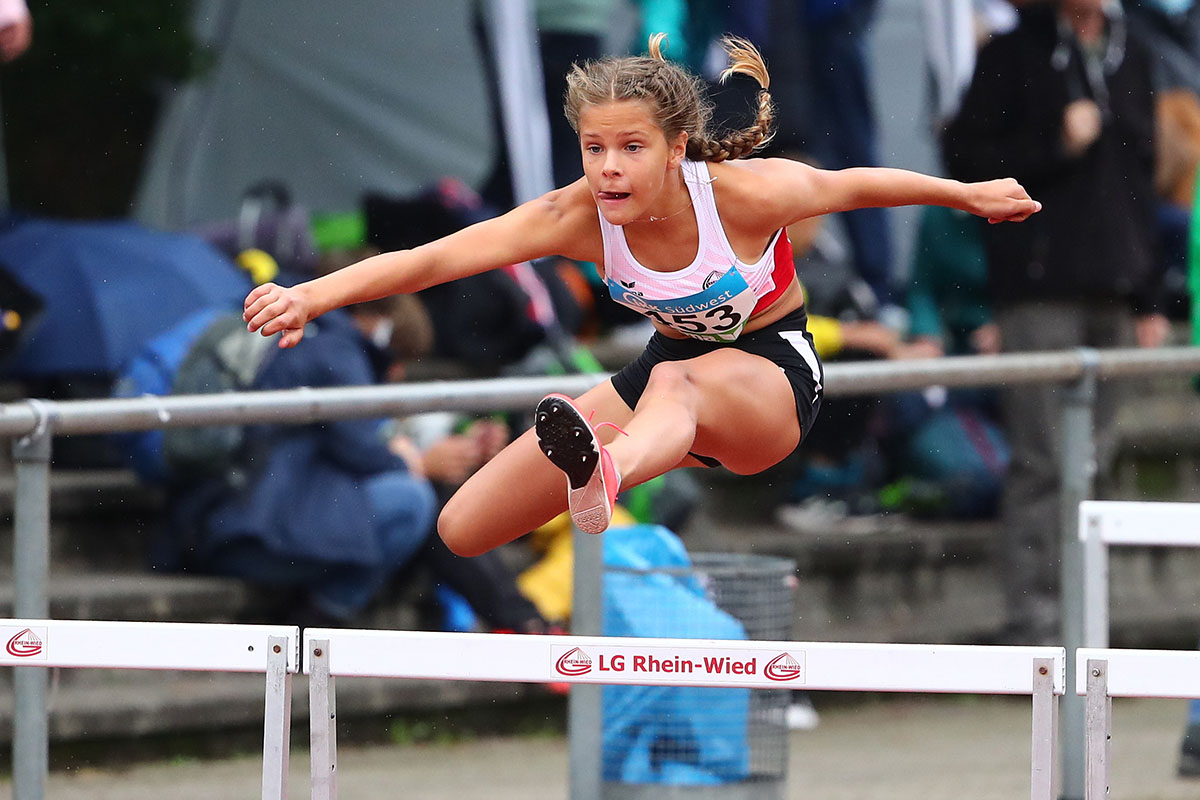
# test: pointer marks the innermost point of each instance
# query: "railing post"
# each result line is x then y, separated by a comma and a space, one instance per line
585, 715
31, 567
1077, 471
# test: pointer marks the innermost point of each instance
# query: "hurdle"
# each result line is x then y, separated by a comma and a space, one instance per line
1104, 673
1106, 523
329, 653
82, 644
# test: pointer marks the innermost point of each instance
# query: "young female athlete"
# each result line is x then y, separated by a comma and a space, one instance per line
684, 233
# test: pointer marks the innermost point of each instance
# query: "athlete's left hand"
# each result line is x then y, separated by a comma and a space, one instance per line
1002, 200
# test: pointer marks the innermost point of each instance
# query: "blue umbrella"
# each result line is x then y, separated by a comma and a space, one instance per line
108, 288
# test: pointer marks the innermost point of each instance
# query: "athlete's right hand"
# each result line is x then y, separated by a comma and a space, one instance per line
271, 309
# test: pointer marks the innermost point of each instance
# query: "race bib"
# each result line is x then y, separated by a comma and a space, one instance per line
716, 314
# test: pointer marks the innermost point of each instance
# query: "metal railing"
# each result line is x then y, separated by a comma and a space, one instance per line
33, 423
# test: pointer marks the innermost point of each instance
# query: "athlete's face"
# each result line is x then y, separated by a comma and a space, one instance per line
628, 160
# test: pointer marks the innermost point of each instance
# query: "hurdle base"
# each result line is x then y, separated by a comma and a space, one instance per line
766, 789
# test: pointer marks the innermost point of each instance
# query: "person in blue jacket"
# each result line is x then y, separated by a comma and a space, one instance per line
329, 509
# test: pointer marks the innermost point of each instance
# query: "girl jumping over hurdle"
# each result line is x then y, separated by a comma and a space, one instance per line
683, 231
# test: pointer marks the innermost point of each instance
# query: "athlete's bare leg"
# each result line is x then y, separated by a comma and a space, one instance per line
730, 405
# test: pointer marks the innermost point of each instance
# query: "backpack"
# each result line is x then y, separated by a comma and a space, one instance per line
207, 352
964, 456
271, 221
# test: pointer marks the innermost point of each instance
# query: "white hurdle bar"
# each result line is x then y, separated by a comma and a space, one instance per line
1104, 673
961, 669
1104, 523
270, 649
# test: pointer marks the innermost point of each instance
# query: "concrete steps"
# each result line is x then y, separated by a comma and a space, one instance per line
126, 704
142, 597
921, 582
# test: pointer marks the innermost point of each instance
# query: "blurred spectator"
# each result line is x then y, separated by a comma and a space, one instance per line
954, 32
843, 114
933, 453
1172, 29
16, 34
16, 29
948, 306
1064, 103
1178, 160
1171, 32
946, 447
447, 450
327, 510
837, 474
340, 511
824, 45
569, 31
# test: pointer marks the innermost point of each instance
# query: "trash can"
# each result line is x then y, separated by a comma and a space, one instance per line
698, 742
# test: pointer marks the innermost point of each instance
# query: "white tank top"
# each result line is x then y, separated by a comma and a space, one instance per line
713, 297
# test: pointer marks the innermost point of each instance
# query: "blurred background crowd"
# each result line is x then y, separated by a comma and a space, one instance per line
161, 158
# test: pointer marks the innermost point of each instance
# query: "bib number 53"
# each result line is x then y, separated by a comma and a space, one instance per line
725, 317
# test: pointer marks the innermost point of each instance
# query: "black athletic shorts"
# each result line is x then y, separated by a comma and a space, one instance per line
785, 343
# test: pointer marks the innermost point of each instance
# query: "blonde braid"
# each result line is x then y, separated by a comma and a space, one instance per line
744, 59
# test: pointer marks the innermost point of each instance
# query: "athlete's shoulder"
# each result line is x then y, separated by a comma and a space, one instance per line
758, 192
571, 212
574, 200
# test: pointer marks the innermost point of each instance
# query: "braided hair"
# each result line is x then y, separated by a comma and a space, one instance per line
677, 98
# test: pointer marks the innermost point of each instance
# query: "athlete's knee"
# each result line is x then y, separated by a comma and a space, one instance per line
673, 377
457, 532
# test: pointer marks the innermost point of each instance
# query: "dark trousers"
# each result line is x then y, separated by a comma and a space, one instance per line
1029, 550
845, 132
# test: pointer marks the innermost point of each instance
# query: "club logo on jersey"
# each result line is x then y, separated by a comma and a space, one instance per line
783, 667
628, 284
25, 644
712, 278
573, 663
635, 300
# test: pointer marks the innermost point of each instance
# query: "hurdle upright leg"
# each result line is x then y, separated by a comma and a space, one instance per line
277, 721
322, 722
1099, 729
1045, 730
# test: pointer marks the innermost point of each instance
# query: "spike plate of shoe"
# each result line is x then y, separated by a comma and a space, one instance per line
566, 439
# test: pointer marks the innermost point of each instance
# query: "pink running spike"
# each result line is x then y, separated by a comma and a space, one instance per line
568, 439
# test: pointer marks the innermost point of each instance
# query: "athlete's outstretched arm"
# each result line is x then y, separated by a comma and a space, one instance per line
808, 191
554, 224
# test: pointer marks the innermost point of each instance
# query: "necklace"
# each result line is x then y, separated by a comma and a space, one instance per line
691, 200
674, 214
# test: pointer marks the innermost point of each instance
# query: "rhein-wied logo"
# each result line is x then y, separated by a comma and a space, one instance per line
574, 662
783, 668
25, 644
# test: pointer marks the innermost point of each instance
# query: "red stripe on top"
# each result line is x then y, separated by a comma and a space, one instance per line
782, 273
